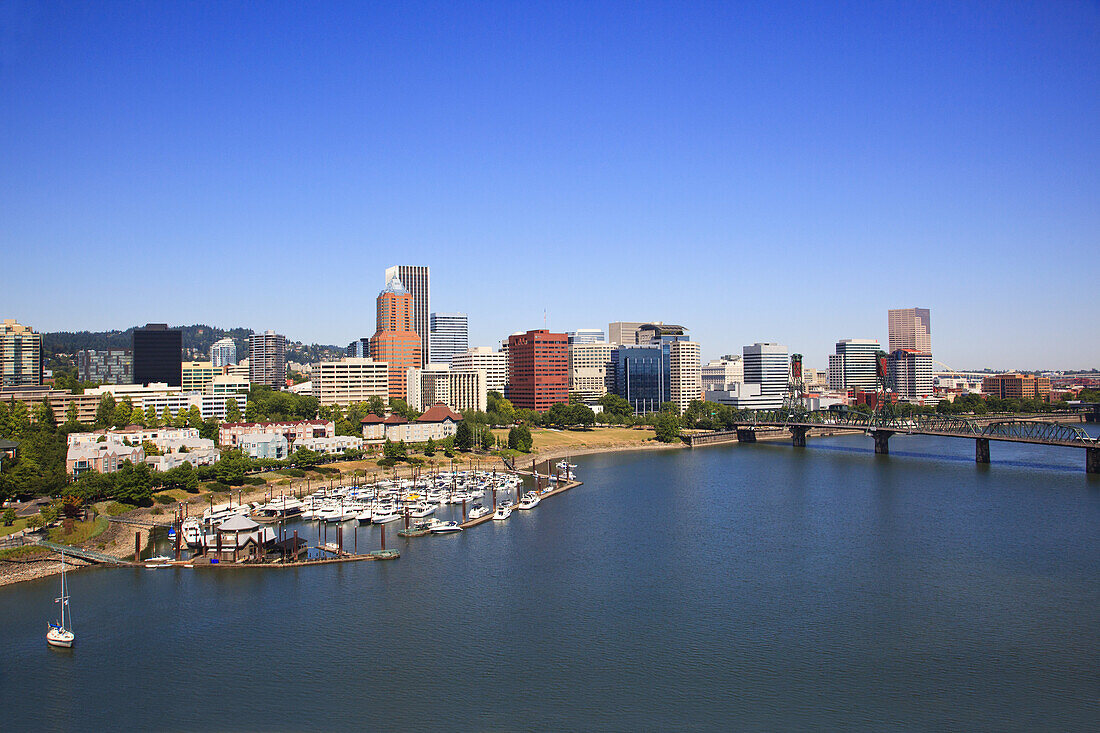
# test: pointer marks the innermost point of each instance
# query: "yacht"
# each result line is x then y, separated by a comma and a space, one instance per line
444, 527
383, 514
530, 500
478, 511
61, 633
504, 510
421, 510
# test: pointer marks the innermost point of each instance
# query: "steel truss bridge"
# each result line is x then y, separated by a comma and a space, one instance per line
882, 426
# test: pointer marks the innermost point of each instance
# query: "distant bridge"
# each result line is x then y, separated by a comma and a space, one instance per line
881, 427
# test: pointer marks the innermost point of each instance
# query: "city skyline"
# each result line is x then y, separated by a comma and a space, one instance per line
939, 147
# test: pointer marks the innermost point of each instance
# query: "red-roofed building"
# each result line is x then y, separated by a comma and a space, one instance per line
438, 422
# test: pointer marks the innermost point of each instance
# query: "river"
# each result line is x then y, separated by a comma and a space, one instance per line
725, 588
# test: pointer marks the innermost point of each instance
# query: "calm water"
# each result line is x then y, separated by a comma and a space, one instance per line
729, 588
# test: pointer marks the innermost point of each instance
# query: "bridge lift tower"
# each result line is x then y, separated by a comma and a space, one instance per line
794, 402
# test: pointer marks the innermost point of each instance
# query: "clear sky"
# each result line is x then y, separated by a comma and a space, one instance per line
753, 171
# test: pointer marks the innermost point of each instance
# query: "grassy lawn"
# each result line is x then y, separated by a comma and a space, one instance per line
82, 531
23, 553
595, 438
18, 525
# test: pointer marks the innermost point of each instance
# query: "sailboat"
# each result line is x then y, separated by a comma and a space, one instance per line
60, 634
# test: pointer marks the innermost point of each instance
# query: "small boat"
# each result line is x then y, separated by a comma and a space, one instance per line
504, 510
444, 527
61, 633
478, 511
160, 561
421, 510
530, 500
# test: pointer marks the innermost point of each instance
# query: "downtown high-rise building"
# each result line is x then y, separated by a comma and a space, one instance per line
223, 353
538, 369
158, 355
359, 348
450, 335
766, 365
625, 332
661, 365
395, 343
267, 359
493, 363
105, 366
853, 366
416, 280
909, 373
20, 355
586, 336
911, 328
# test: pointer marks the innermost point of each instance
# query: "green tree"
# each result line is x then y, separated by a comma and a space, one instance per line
105, 411
305, 458
151, 420
559, 414
232, 411
44, 417
582, 415
429, 447
120, 418
486, 438
137, 417
134, 484
9, 517
464, 437
519, 438
376, 406
165, 417
667, 426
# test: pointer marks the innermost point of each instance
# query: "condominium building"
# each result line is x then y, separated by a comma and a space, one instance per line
909, 373
1018, 386
853, 366
717, 373
105, 366
493, 363
350, 380
417, 282
267, 359
910, 328
450, 335
230, 433
198, 376
538, 369
460, 390
592, 368
395, 343
228, 384
223, 353
20, 355
157, 352
60, 400
359, 348
685, 374
210, 405
586, 336
105, 457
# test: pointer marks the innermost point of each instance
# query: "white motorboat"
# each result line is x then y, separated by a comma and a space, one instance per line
504, 510
421, 510
384, 514
158, 561
530, 500
61, 633
444, 527
478, 511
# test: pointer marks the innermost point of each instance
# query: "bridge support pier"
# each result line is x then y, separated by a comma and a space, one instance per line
882, 441
981, 450
798, 437
746, 435
1092, 460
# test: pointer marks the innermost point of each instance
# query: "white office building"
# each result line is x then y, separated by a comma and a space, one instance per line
460, 390
223, 353
349, 380
685, 373
766, 374
853, 365
450, 335
493, 363
592, 368
718, 373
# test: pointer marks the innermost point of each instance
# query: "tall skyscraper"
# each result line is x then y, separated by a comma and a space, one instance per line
909, 373
911, 328
647, 369
21, 355
766, 365
395, 342
417, 281
450, 336
158, 355
223, 353
592, 368
853, 365
267, 359
538, 369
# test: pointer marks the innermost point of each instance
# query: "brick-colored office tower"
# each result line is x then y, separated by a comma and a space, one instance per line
395, 342
538, 369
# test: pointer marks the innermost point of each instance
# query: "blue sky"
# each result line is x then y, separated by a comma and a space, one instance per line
769, 171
